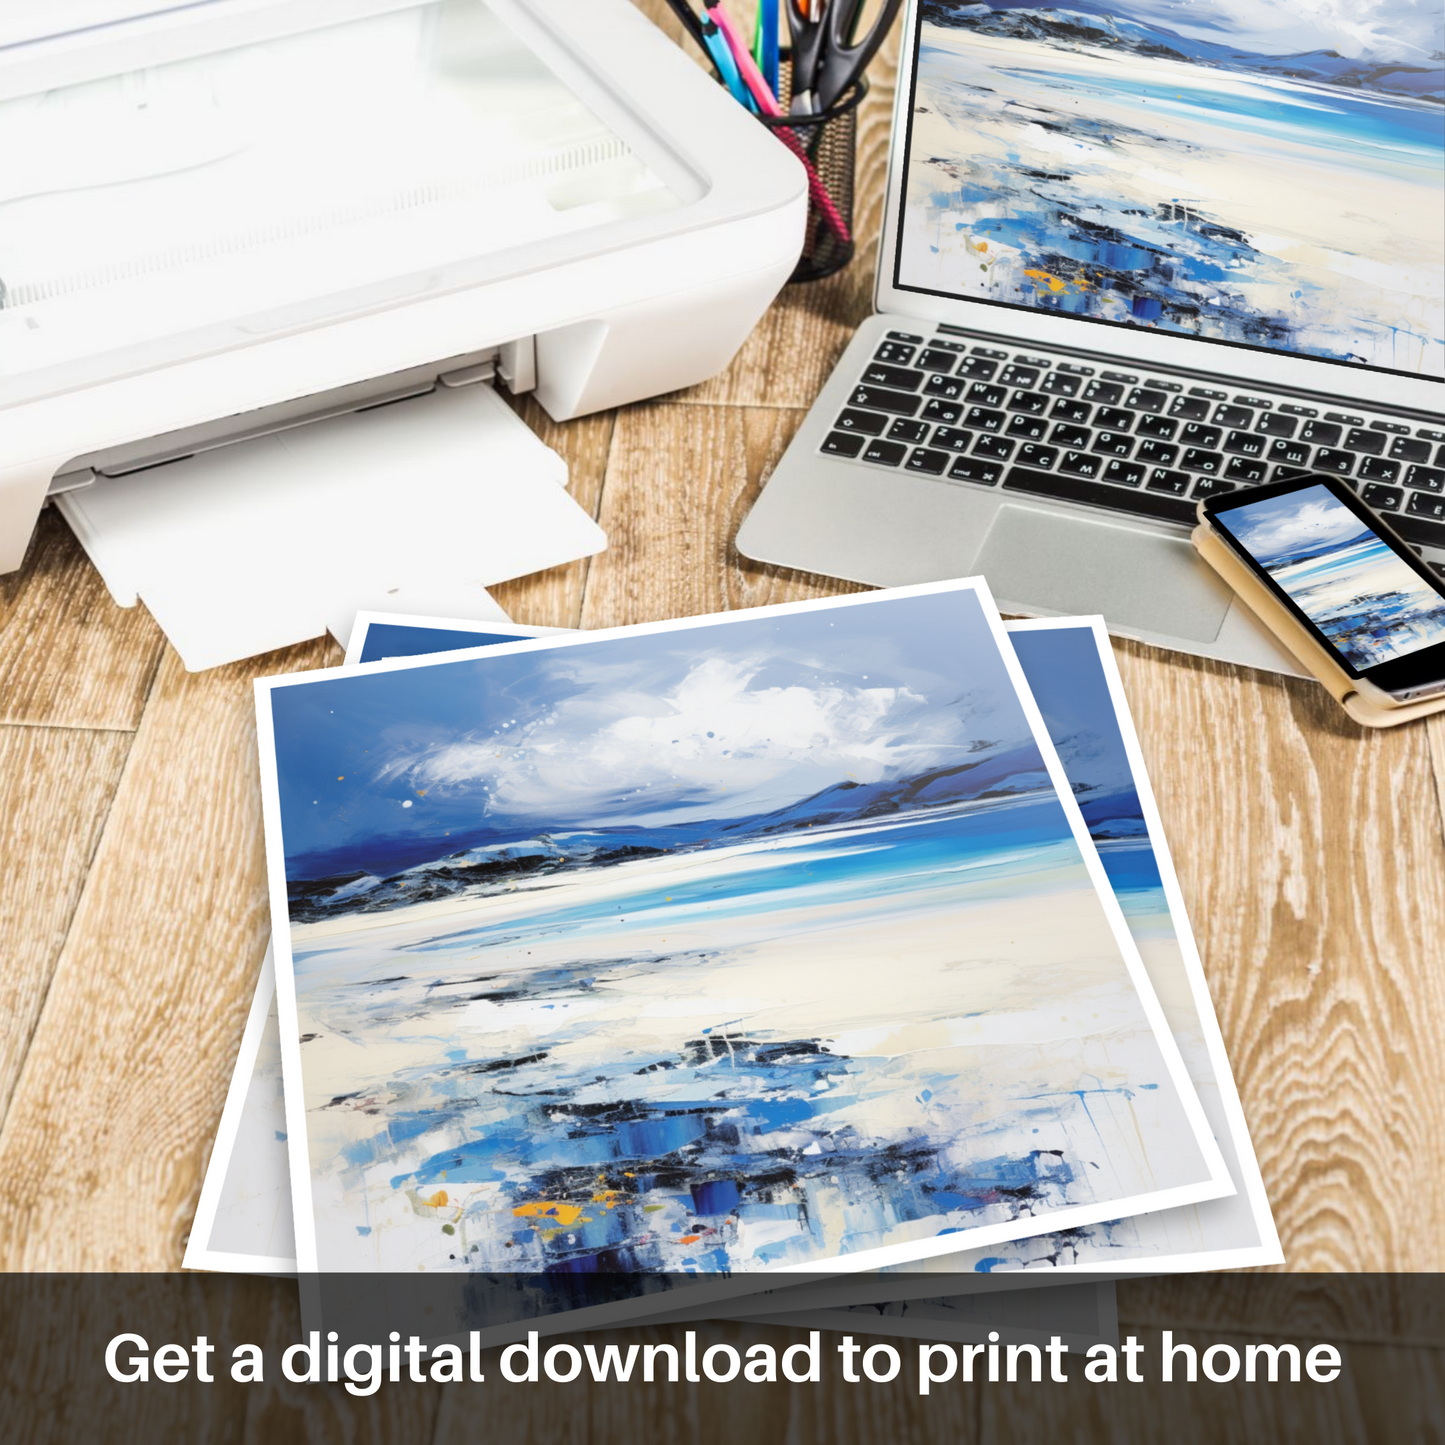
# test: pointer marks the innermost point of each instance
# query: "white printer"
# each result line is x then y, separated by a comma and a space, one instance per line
225, 220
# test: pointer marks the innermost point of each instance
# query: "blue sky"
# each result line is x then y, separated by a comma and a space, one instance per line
718, 722
1274, 528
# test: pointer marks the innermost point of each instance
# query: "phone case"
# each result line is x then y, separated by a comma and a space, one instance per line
1336, 681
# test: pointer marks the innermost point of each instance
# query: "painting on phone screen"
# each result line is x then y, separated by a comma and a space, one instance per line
1370, 604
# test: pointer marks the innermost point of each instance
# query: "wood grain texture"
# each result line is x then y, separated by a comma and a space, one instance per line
69, 657
1311, 858
56, 786
679, 483
110, 1122
554, 598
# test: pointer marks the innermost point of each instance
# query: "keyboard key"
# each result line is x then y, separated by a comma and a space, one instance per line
1059, 383
877, 374
1076, 411
1196, 459
1320, 432
1031, 428
1377, 469
1427, 479
957, 347
905, 336
1113, 418
877, 398
1344, 418
1035, 403
948, 387
1143, 398
1107, 392
1189, 408
1162, 385
945, 411
954, 438
977, 369
1081, 464
1422, 504
1128, 378
935, 360
1071, 436
867, 422
981, 394
1037, 361
1207, 394
1245, 469
1271, 424
1157, 426
992, 352
1329, 459
886, 454
970, 469
1100, 494
1430, 435
1156, 454
1404, 449
1245, 443
1195, 435
895, 353
1390, 426
1163, 480
1372, 443
1289, 474
983, 419
904, 430
1293, 410
1292, 454
925, 460
1233, 416
1127, 474
1418, 530
1077, 370
1440, 457
1211, 487
1112, 444
1036, 456
843, 444
1382, 499
993, 447
1016, 375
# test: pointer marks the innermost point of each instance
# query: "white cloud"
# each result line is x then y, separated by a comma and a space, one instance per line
712, 738
1308, 524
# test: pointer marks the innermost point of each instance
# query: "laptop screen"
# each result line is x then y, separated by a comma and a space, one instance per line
1266, 173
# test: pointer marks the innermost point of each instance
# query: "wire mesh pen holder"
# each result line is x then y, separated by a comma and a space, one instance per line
826, 143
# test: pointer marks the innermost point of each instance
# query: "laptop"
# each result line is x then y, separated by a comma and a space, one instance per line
1130, 260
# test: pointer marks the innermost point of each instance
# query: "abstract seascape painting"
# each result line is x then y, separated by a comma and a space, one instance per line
1269, 172
726, 946
1370, 604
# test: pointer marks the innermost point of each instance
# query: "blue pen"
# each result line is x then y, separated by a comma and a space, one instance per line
727, 67
768, 60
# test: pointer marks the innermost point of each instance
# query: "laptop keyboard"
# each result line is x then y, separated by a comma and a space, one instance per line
1143, 444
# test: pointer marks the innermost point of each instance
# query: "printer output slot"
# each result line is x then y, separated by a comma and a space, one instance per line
514, 362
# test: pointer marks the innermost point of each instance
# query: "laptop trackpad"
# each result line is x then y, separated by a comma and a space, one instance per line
1071, 565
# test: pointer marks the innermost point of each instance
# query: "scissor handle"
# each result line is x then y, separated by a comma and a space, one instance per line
844, 60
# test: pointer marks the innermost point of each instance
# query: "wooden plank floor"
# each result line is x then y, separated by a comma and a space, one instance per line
132, 906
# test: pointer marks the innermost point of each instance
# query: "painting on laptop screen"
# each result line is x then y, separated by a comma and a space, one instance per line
1265, 172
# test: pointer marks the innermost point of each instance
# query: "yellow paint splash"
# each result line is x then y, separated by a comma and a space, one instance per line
557, 1210
1054, 283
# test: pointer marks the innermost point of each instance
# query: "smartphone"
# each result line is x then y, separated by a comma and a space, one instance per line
1336, 566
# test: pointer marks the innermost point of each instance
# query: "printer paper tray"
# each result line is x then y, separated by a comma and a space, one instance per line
417, 506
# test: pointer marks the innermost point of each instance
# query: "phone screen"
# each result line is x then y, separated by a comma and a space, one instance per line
1361, 592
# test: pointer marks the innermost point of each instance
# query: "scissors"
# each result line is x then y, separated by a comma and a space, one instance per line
827, 55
